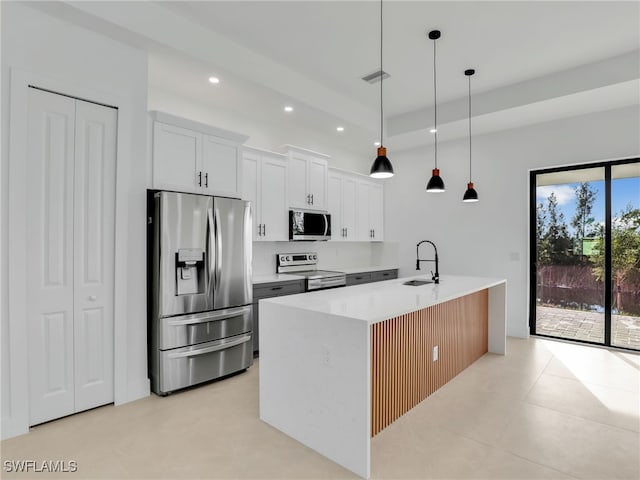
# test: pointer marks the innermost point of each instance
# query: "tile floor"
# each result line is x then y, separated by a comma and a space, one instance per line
546, 410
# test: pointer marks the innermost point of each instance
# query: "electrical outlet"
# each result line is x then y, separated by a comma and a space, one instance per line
435, 353
326, 355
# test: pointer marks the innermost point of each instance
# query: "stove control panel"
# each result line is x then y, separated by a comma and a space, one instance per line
296, 259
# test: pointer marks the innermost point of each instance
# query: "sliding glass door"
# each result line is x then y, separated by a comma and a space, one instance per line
585, 253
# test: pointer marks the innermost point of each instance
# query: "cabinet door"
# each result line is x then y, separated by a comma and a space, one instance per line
363, 230
273, 199
251, 187
334, 206
349, 207
376, 211
221, 168
297, 184
317, 183
177, 156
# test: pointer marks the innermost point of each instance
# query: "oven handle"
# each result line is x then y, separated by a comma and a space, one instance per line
319, 284
221, 315
215, 348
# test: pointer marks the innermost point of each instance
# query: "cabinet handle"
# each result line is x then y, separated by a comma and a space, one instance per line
373, 233
200, 178
308, 199
312, 199
264, 229
346, 231
273, 289
261, 225
206, 180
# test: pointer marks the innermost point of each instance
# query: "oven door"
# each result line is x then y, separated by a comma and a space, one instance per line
309, 225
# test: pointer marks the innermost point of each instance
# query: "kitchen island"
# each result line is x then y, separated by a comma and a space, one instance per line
337, 366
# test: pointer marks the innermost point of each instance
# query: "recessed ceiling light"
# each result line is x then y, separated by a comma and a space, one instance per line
214, 80
377, 144
288, 108
340, 129
433, 130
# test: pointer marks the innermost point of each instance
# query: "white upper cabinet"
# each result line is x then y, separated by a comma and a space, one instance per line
196, 158
265, 186
342, 205
307, 184
370, 215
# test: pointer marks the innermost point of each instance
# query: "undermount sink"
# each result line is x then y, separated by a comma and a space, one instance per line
417, 283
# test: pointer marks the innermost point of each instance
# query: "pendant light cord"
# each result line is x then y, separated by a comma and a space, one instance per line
381, 79
469, 128
435, 107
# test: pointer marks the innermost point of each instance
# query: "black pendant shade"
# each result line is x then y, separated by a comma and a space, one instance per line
381, 167
470, 195
436, 184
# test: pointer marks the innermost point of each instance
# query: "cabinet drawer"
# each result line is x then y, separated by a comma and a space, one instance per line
186, 330
183, 367
358, 278
276, 289
384, 275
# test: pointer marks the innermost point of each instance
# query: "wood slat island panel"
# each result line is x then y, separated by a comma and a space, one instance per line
402, 370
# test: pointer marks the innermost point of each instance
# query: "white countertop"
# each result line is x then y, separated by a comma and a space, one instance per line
349, 270
283, 277
375, 302
275, 277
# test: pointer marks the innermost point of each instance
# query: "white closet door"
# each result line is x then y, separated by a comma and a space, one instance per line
94, 212
50, 254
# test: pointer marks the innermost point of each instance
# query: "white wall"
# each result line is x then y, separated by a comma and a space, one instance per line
490, 238
263, 135
78, 61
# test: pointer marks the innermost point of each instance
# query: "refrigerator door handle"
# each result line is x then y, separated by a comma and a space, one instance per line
212, 253
217, 238
215, 348
210, 317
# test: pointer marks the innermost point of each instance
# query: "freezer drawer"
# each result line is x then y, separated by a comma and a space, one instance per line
183, 367
184, 330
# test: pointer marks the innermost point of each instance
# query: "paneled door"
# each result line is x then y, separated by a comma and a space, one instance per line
70, 258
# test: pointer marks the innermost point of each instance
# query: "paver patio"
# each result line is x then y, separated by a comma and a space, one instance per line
588, 326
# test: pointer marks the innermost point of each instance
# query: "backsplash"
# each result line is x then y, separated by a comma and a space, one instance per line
330, 254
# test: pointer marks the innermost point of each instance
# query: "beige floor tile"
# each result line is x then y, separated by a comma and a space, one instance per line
613, 406
573, 445
477, 426
594, 365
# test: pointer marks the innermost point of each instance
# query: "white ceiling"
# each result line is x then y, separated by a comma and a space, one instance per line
535, 61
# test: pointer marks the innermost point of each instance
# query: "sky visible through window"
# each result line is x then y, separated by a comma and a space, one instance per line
625, 191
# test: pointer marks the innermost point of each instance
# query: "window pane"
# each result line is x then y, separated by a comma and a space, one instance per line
570, 209
625, 255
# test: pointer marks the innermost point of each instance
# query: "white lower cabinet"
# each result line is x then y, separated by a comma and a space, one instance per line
70, 263
265, 186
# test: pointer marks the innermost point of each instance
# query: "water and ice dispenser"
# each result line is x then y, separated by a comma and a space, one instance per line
190, 271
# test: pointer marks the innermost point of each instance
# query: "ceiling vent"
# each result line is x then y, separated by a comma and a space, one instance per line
375, 76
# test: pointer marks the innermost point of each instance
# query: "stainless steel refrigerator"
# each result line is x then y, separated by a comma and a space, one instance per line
200, 273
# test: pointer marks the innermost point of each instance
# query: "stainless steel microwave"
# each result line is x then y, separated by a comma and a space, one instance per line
309, 225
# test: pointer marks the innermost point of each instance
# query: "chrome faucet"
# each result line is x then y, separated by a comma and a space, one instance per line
434, 276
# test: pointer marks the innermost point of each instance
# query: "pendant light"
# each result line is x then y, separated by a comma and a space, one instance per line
436, 184
470, 195
381, 167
